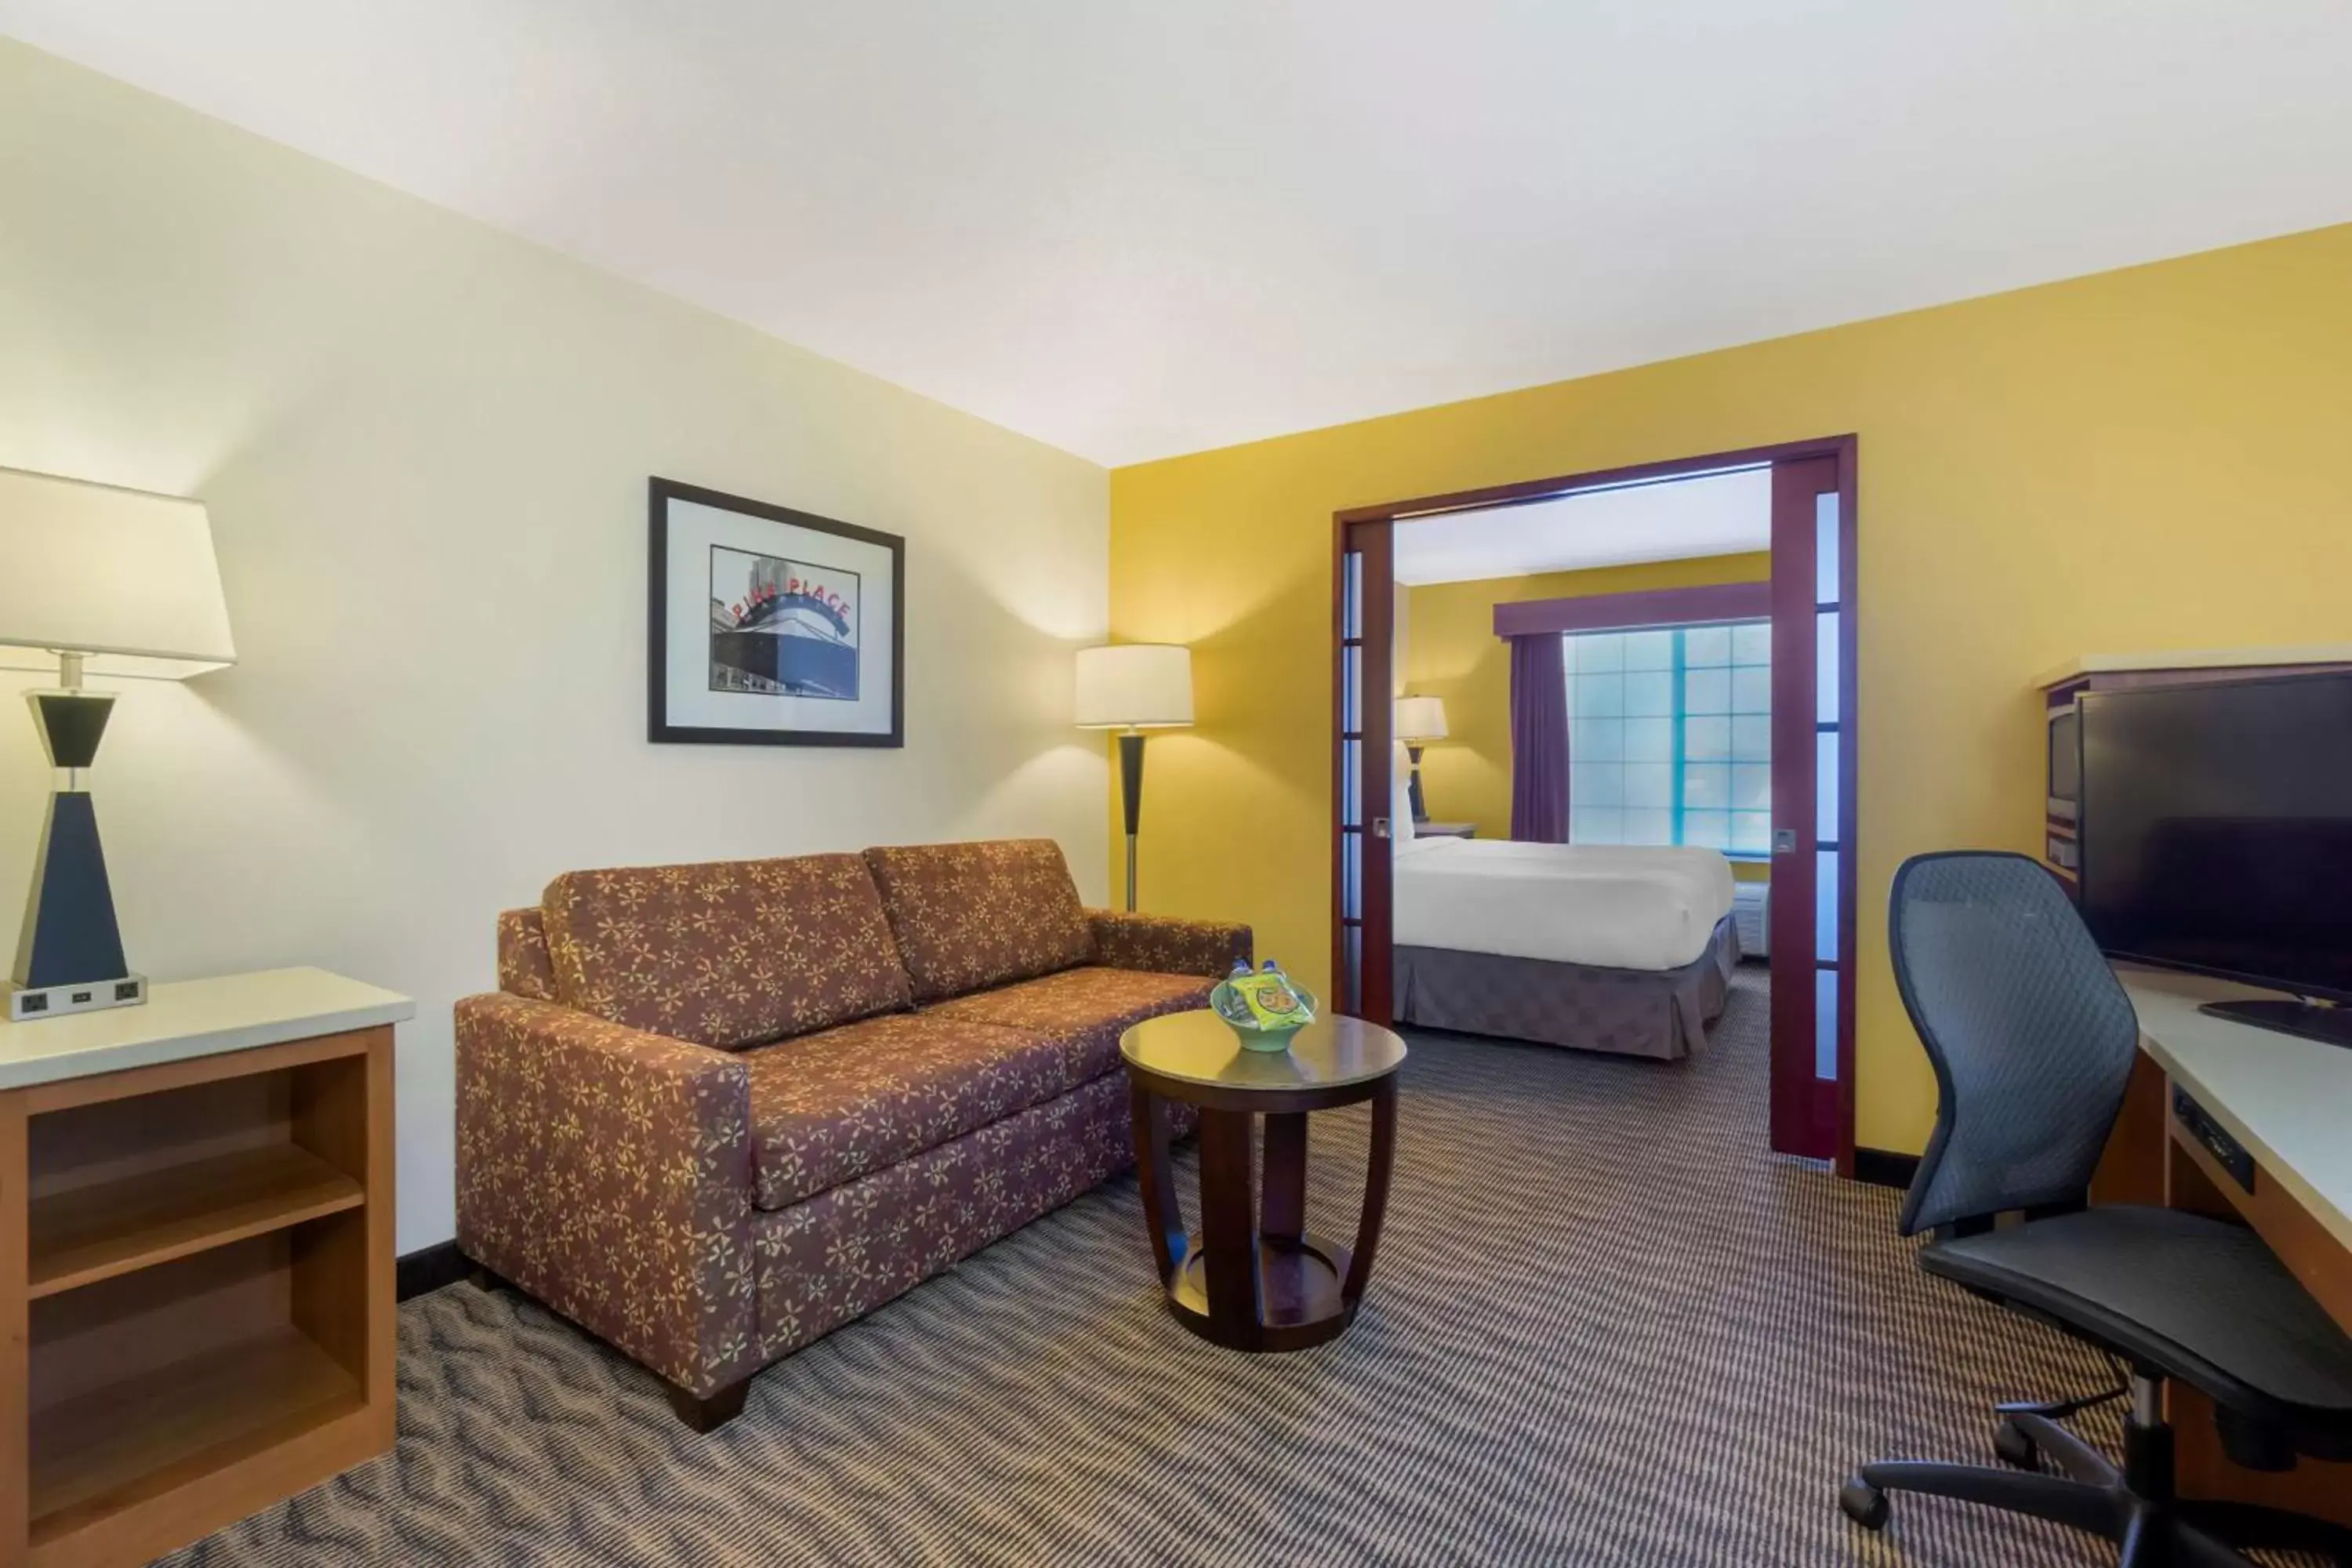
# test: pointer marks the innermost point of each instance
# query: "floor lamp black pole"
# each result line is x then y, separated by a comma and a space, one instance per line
1130, 789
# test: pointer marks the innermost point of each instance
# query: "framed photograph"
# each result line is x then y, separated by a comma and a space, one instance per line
771, 626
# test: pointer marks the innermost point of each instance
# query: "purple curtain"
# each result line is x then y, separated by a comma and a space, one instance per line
1538, 739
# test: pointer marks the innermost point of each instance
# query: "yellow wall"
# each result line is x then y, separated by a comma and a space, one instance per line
2148, 458
1452, 651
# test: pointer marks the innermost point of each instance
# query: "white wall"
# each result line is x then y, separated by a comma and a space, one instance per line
425, 446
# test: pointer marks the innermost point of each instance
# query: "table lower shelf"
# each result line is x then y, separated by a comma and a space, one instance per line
1299, 1299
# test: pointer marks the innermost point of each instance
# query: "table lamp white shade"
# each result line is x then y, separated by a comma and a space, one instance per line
126, 577
1420, 717
1135, 686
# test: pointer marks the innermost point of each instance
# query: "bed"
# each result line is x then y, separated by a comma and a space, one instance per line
1603, 948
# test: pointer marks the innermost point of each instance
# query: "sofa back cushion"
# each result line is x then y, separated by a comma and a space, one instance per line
969, 916
732, 954
524, 969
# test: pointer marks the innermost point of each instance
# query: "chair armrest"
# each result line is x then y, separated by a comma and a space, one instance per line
608, 1173
1167, 944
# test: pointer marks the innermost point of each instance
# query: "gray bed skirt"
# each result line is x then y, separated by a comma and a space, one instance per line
1631, 1012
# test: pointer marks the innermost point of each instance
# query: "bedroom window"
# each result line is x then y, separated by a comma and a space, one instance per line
1670, 736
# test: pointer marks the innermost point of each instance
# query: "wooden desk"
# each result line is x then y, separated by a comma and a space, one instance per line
195, 1260
2288, 1101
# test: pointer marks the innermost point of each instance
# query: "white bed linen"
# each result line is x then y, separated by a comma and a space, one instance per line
1610, 906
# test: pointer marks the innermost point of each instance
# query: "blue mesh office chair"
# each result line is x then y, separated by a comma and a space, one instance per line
2032, 1041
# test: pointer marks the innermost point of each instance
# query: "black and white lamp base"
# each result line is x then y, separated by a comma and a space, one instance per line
70, 950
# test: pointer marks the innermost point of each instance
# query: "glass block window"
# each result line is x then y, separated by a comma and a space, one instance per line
1670, 736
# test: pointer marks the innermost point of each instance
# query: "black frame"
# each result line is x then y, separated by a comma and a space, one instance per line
2301, 989
659, 493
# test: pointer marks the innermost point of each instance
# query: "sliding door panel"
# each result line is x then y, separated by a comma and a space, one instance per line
1811, 902
1361, 970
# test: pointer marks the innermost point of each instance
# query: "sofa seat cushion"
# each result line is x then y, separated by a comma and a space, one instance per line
732, 953
969, 916
832, 1106
1083, 1011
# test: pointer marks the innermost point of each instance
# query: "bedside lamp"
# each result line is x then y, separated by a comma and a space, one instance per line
1419, 719
1134, 687
108, 583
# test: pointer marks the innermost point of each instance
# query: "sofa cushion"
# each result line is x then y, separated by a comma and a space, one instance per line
833, 1107
732, 953
1082, 1011
969, 916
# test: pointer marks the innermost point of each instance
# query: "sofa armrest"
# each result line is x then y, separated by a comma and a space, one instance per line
608, 1173
1167, 944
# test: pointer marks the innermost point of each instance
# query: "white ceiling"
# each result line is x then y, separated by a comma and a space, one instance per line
1138, 228
1717, 514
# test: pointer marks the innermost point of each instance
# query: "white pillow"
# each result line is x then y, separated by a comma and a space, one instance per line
1400, 796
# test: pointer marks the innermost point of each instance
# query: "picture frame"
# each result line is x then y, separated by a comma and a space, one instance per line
770, 627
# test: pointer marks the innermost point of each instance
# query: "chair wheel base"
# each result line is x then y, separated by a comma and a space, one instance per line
2015, 1447
1863, 1503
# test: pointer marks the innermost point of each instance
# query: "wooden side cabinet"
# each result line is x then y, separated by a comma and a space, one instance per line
196, 1300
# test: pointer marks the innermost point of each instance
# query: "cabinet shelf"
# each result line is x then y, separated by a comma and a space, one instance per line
88, 1233
116, 1445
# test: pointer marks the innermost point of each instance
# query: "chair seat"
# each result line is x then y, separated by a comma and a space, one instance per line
1083, 1010
2199, 1300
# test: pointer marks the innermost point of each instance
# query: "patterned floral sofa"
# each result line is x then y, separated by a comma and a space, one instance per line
713, 1111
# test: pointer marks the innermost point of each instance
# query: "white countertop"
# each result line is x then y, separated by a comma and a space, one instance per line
2287, 1099
195, 1018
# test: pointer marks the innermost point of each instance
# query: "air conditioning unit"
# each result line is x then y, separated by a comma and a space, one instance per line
1751, 910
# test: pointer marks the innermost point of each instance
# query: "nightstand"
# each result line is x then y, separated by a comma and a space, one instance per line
195, 1196
1445, 830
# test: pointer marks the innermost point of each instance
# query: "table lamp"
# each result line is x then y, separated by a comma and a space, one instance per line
108, 582
1419, 719
1132, 688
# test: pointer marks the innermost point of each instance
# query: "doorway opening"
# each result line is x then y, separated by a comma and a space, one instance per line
1707, 725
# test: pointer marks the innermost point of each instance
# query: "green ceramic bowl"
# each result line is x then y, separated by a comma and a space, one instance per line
1244, 1023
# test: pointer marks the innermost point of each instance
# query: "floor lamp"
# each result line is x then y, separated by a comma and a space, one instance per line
106, 582
1132, 688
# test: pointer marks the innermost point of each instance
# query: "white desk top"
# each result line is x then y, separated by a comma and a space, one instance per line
195, 1018
2287, 1099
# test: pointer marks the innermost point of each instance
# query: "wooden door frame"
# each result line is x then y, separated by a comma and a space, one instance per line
1846, 450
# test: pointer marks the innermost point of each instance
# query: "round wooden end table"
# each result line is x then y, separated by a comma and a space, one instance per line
1258, 1279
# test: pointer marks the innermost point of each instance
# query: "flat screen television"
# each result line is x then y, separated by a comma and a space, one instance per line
2216, 836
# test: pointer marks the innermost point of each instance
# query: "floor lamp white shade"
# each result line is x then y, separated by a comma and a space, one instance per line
1134, 687
103, 582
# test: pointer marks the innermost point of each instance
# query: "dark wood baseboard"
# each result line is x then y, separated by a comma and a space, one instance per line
1884, 1168
429, 1267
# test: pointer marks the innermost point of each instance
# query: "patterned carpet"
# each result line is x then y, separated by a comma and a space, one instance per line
1605, 1328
